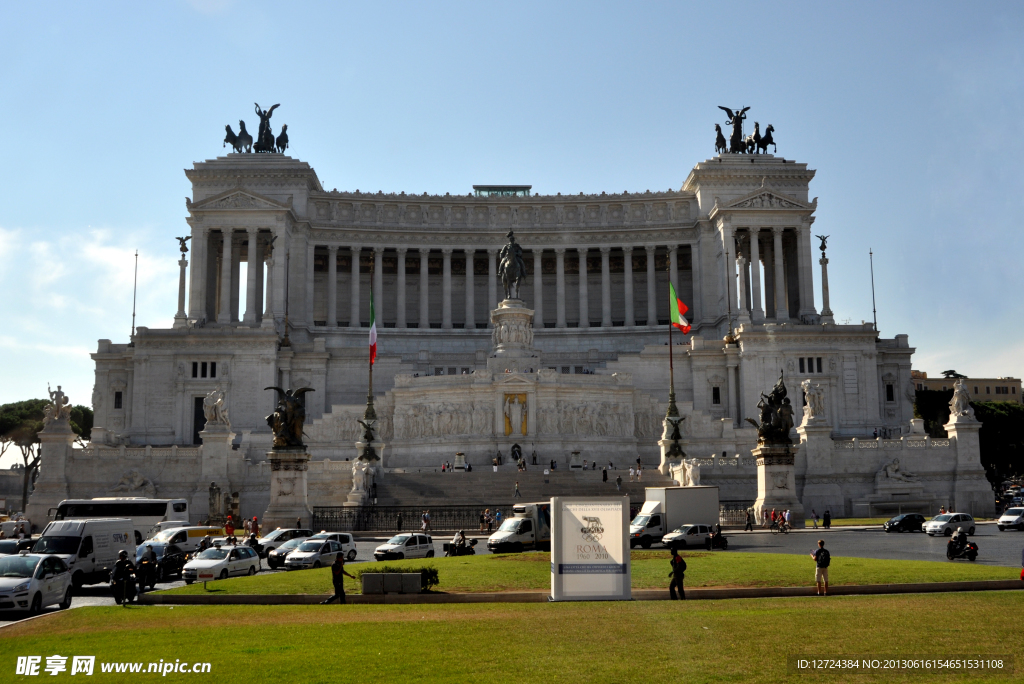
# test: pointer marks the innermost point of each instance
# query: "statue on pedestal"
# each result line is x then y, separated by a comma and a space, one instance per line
265, 138
512, 267
288, 417
959, 405
59, 409
776, 416
214, 409
815, 396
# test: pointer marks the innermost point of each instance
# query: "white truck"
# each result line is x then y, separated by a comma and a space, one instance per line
669, 508
529, 529
89, 547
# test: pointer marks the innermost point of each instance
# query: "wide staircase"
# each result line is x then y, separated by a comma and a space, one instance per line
484, 487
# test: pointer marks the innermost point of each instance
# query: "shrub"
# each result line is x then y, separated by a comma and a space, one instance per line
428, 574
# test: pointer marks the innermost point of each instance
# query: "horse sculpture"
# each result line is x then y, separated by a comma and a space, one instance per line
767, 140
244, 139
736, 142
753, 139
720, 146
512, 267
282, 140
231, 139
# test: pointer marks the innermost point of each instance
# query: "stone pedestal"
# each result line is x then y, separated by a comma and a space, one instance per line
512, 337
575, 461
972, 492
289, 498
217, 439
460, 461
821, 493
776, 482
51, 485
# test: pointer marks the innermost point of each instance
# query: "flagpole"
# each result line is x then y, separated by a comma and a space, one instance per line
672, 414
370, 413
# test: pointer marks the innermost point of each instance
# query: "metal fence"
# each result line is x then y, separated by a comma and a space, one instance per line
733, 513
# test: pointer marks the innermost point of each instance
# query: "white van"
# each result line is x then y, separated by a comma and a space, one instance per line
185, 538
89, 547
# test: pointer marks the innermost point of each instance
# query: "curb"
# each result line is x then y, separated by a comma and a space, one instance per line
704, 594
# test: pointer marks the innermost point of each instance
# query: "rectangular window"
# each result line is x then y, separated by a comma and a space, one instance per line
975, 389
579, 370
451, 370
202, 369
1013, 390
802, 365
819, 364
988, 390
439, 371
920, 387
117, 400
195, 369
213, 369
465, 371
810, 364
890, 393
565, 370
716, 395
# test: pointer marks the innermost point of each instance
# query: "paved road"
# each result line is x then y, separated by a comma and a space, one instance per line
995, 548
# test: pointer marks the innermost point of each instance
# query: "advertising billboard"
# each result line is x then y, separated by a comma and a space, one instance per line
590, 549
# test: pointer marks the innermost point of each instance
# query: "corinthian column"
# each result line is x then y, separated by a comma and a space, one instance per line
560, 287
741, 265
606, 288
446, 290
354, 315
627, 282
332, 286
492, 282
584, 298
538, 289
756, 313
252, 273
781, 291
470, 298
424, 317
224, 313
400, 296
200, 252
652, 302
378, 285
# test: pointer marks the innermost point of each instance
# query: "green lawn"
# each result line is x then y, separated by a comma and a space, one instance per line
744, 640
517, 572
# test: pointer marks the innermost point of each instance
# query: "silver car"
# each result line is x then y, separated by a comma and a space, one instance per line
313, 553
947, 523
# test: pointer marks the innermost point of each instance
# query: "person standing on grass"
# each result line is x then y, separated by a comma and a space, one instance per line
518, 493
750, 521
678, 570
822, 559
338, 574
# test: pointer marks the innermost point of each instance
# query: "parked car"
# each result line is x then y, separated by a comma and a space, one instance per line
313, 553
405, 546
9, 547
687, 535
170, 560
280, 536
32, 581
947, 523
343, 538
221, 562
907, 522
275, 559
1011, 517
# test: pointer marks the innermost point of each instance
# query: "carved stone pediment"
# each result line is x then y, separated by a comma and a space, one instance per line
233, 200
764, 198
512, 379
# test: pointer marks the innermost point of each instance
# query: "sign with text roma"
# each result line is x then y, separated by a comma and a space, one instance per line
590, 549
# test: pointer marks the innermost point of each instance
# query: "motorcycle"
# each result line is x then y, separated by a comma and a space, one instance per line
146, 573
716, 541
451, 550
123, 589
968, 551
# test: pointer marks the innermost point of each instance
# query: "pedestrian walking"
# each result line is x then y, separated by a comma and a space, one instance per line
398, 522
814, 518
826, 520
822, 559
518, 493
604, 474
631, 472
618, 483
425, 519
338, 574
677, 572
750, 521
785, 516
483, 520
248, 527
497, 517
639, 472
255, 527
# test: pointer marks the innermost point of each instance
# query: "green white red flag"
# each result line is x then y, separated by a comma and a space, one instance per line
373, 331
676, 310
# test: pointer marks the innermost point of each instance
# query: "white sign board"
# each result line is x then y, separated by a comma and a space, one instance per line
590, 549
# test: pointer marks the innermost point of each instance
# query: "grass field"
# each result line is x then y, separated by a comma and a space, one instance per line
517, 572
745, 640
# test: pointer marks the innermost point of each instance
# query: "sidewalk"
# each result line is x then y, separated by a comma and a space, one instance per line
541, 595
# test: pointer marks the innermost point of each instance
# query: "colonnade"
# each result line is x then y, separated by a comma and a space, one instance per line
469, 285
215, 279
785, 254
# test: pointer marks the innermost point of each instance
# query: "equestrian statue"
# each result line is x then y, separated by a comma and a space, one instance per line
511, 267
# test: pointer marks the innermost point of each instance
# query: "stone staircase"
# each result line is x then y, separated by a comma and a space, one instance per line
484, 487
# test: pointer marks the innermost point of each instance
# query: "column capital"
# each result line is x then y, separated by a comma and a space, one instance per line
378, 250
401, 250
252, 230
777, 230
560, 251
582, 249
628, 249
650, 248
493, 251
333, 249
605, 250
355, 248
673, 248
447, 251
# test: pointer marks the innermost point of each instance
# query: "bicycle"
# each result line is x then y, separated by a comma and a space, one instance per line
777, 527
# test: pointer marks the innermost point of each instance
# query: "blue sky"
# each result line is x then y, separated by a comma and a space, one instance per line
909, 112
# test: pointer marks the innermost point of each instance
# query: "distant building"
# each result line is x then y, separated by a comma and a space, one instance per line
981, 389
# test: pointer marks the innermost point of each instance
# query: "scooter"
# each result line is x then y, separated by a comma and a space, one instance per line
147, 575
451, 550
123, 589
716, 541
969, 551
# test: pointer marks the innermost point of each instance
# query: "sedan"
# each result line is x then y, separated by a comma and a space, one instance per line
275, 559
313, 553
31, 581
1013, 518
907, 522
947, 523
405, 546
220, 563
687, 535
279, 536
343, 538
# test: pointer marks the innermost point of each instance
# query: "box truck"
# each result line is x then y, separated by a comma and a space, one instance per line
669, 508
529, 529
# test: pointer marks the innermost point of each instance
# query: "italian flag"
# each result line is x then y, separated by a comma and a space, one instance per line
373, 331
676, 309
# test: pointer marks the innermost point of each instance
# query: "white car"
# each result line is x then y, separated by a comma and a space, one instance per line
312, 553
221, 562
947, 523
405, 545
32, 581
687, 535
280, 536
343, 538
1011, 517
